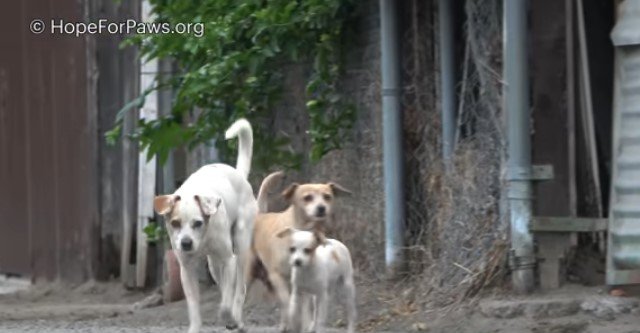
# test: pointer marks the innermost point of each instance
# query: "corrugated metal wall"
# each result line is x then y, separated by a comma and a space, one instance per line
48, 164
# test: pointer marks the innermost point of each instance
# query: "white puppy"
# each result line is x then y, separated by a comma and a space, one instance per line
212, 215
318, 266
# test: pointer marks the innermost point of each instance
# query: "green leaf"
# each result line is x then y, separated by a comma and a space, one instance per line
136, 103
113, 135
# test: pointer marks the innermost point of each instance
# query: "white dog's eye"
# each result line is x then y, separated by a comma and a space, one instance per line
307, 198
327, 197
175, 224
307, 251
292, 249
197, 224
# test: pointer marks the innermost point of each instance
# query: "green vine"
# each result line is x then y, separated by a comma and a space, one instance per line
235, 69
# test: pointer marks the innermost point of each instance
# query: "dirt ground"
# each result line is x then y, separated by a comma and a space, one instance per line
382, 307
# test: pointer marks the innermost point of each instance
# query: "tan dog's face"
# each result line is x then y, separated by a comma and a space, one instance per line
186, 219
315, 201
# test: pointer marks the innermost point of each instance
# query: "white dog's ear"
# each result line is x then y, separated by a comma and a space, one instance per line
208, 205
289, 191
337, 188
163, 204
321, 239
284, 233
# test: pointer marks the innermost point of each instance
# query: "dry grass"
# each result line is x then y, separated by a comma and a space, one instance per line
456, 242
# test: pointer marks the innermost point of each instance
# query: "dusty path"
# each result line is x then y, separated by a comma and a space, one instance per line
91, 326
103, 308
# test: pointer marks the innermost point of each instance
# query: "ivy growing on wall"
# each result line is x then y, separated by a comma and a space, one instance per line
235, 69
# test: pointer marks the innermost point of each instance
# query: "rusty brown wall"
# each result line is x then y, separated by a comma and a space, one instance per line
48, 168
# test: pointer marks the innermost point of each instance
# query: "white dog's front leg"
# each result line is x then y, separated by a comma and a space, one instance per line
227, 283
321, 311
350, 302
192, 294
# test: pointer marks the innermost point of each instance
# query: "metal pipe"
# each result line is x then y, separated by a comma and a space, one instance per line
447, 76
392, 137
516, 92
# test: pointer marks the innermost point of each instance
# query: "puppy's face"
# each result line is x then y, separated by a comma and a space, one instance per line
315, 201
302, 245
186, 219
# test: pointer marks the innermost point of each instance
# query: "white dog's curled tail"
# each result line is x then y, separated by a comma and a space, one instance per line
242, 130
265, 187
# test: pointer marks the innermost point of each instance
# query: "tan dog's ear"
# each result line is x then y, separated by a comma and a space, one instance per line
321, 239
284, 233
289, 191
208, 205
337, 188
163, 204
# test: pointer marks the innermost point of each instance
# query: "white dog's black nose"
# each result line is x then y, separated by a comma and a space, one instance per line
297, 262
321, 211
186, 244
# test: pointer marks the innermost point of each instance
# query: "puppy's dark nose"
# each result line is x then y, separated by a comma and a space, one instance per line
297, 262
321, 211
186, 244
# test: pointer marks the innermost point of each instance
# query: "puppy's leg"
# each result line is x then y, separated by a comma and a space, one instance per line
226, 269
350, 304
294, 311
192, 294
309, 313
282, 291
321, 314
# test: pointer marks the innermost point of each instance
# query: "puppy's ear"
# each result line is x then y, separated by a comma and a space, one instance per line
321, 239
208, 205
337, 188
163, 204
284, 233
289, 191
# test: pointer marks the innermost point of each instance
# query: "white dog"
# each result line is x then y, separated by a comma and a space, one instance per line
318, 265
212, 215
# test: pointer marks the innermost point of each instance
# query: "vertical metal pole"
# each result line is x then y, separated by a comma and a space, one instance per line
519, 142
447, 75
392, 137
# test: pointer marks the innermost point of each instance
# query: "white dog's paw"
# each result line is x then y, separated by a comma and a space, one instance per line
227, 319
311, 328
282, 328
194, 329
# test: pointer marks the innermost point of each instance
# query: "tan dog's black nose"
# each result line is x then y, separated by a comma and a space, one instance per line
186, 244
321, 211
297, 262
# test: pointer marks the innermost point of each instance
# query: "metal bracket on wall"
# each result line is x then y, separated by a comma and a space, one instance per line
537, 173
542, 172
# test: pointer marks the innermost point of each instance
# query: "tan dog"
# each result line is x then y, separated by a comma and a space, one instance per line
311, 207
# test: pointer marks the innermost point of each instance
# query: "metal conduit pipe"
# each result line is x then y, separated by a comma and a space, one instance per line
516, 92
447, 76
392, 137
